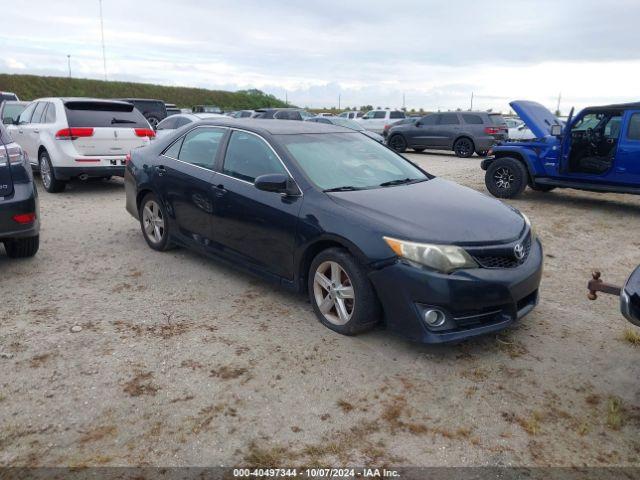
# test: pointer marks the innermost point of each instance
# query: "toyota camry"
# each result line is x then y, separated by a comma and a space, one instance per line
368, 235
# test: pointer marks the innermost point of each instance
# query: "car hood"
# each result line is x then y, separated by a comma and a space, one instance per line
436, 211
537, 117
374, 135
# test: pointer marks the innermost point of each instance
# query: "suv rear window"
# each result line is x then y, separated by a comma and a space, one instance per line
472, 119
7, 96
104, 114
497, 119
397, 115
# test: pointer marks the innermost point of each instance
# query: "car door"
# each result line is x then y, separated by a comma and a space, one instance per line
31, 131
184, 177
17, 132
423, 132
447, 130
252, 226
627, 160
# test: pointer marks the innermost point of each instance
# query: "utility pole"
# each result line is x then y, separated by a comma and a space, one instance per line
471, 109
339, 98
104, 55
404, 107
558, 107
286, 99
69, 64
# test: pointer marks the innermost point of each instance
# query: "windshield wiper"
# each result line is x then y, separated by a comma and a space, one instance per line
345, 188
121, 120
401, 181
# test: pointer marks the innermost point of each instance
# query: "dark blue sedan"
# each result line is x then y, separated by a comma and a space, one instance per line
323, 209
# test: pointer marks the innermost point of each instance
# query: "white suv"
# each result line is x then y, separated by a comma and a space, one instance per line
79, 137
376, 120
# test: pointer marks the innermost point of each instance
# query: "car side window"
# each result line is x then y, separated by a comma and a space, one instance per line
380, 115
472, 119
396, 115
248, 156
633, 132
50, 114
449, 119
200, 147
168, 123
429, 120
25, 116
37, 113
174, 150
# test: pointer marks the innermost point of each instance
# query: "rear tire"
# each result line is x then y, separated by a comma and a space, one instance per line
154, 223
463, 147
49, 181
22, 247
153, 121
398, 143
506, 178
341, 293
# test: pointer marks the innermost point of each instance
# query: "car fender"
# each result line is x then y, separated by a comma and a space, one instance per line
528, 156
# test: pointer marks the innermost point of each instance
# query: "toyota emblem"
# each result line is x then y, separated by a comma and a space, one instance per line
518, 251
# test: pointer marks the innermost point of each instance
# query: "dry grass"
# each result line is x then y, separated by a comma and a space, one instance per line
614, 413
228, 372
141, 385
98, 433
631, 336
345, 406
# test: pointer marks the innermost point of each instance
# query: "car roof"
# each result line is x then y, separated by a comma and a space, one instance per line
619, 106
83, 99
275, 127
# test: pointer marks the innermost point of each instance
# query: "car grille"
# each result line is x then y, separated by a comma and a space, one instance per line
503, 261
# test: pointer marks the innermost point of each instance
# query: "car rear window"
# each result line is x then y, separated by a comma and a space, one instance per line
472, 119
104, 114
7, 96
497, 119
396, 115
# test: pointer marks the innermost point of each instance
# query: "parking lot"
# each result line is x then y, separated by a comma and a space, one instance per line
183, 361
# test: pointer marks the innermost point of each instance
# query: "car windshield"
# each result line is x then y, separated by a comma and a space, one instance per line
13, 110
349, 161
345, 122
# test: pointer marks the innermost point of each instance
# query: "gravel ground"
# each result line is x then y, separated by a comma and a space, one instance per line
183, 361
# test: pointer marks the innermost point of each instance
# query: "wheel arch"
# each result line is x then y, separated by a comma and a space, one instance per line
460, 137
516, 156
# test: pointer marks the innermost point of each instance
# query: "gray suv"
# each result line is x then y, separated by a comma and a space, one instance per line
462, 132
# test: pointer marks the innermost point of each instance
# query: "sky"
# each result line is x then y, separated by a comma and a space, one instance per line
434, 54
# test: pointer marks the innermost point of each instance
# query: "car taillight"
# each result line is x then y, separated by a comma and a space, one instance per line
24, 218
387, 127
16, 154
145, 132
491, 130
73, 133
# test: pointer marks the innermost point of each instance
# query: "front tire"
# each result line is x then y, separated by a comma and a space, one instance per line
341, 293
154, 223
49, 181
463, 147
398, 143
22, 247
506, 178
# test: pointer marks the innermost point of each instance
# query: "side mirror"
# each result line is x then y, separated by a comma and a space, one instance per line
556, 130
418, 124
630, 298
277, 183
8, 121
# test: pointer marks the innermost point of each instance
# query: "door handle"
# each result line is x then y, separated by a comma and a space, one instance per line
36, 131
161, 170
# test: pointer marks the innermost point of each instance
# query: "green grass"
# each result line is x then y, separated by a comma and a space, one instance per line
29, 87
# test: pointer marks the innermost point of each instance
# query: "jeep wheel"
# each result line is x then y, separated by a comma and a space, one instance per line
398, 143
463, 147
506, 178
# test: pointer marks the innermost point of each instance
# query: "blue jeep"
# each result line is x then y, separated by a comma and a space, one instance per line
597, 150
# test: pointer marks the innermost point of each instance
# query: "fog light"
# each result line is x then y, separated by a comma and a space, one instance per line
434, 318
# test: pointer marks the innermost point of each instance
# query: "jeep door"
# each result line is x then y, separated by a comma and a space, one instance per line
627, 160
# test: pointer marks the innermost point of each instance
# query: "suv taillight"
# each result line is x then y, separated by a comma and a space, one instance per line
73, 133
492, 130
144, 132
16, 154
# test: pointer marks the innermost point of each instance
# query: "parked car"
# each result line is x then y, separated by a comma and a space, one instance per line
66, 138
283, 114
10, 110
598, 150
325, 114
351, 115
521, 132
376, 120
242, 114
462, 132
206, 109
629, 294
325, 210
169, 124
19, 214
404, 121
171, 109
153, 110
345, 122
511, 122
8, 96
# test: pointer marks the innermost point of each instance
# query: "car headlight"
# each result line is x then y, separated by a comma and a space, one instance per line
528, 222
443, 258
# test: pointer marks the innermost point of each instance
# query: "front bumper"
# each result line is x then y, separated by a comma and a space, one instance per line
23, 200
475, 301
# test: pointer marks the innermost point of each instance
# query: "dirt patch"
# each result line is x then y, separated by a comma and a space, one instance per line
140, 385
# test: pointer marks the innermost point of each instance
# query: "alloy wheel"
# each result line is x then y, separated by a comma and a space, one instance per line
153, 221
503, 178
333, 292
463, 148
45, 172
397, 143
